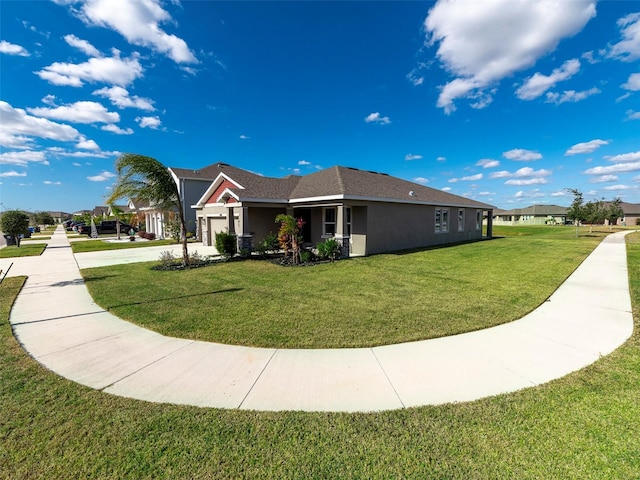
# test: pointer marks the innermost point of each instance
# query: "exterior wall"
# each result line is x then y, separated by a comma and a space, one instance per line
262, 221
221, 188
393, 227
192, 191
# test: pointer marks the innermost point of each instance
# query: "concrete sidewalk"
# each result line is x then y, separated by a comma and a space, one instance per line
58, 323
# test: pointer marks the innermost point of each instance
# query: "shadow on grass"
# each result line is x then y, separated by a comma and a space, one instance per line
438, 247
165, 299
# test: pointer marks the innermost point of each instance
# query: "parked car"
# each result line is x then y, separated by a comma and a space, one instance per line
109, 227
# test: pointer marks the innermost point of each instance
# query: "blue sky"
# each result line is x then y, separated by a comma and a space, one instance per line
509, 102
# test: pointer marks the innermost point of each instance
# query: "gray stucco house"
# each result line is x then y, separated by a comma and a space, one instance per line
367, 212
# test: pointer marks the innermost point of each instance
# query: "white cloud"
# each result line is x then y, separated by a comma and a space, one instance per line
604, 179
522, 155
304, 162
486, 194
560, 193
13, 173
586, 147
120, 98
617, 187
149, 122
631, 115
412, 156
376, 118
441, 159
633, 83
481, 43
23, 158
12, 49
470, 178
139, 22
570, 96
116, 129
446, 189
85, 144
244, 137
421, 180
79, 112
617, 168
628, 49
527, 181
524, 176
487, 163
536, 85
49, 182
415, 77
111, 70
101, 177
17, 126
624, 157
82, 45
500, 174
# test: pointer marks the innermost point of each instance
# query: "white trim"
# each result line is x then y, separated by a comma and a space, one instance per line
229, 193
212, 188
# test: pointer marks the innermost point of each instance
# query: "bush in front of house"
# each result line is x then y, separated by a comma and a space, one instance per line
269, 244
226, 244
147, 235
329, 249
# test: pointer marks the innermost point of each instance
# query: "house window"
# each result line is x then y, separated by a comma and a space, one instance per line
478, 219
461, 220
329, 222
442, 220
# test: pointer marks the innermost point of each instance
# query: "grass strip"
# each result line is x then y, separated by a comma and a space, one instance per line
25, 250
99, 245
362, 302
586, 425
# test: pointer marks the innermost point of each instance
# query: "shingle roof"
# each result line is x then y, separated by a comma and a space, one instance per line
538, 210
339, 181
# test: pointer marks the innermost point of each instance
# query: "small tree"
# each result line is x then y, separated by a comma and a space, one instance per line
44, 218
613, 212
594, 213
289, 235
576, 211
14, 223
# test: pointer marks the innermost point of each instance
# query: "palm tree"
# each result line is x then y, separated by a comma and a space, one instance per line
145, 178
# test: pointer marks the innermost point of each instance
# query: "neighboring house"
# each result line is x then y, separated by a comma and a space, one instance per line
59, 217
367, 212
533, 215
191, 185
631, 213
115, 210
101, 211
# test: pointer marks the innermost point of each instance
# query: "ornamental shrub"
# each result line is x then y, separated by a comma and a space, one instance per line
226, 244
329, 249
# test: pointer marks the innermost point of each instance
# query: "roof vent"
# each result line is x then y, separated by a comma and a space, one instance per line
412, 193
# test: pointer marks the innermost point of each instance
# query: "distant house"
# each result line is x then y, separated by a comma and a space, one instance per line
191, 185
367, 212
533, 215
631, 214
59, 217
100, 211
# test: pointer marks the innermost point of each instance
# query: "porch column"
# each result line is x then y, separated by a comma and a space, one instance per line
244, 235
490, 224
342, 230
231, 224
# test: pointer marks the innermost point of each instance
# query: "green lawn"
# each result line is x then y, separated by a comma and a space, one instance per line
98, 245
584, 426
25, 250
383, 299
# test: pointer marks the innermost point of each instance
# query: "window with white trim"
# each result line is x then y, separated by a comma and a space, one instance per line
478, 219
442, 220
329, 222
461, 220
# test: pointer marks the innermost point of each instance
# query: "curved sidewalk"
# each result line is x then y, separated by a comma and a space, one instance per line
57, 322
